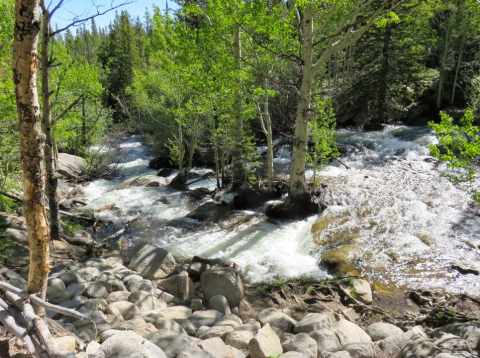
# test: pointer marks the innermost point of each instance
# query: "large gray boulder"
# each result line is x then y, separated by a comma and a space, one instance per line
312, 322
204, 318
418, 346
239, 339
143, 180
265, 344
80, 238
152, 262
351, 333
301, 343
69, 165
170, 342
276, 318
328, 340
360, 349
393, 344
128, 344
180, 286
363, 291
381, 330
216, 348
222, 281
469, 331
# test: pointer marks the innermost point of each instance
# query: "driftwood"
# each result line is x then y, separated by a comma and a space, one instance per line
36, 329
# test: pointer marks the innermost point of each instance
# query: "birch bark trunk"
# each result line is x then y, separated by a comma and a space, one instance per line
32, 140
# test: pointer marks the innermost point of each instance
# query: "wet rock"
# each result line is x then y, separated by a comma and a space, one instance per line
216, 332
69, 165
360, 349
225, 282
312, 322
180, 286
419, 346
204, 318
363, 291
303, 206
210, 211
465, 269
152, 262
239, 339
351, 333
165, 172
340, 259
276, 318
127, 309
220, 304
80, 237
328, 340
176, 312
379, 331
143, 180
301, 343
265, 344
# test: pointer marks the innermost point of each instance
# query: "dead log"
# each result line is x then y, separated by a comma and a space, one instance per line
11, 196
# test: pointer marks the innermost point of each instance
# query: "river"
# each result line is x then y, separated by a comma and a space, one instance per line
407, 223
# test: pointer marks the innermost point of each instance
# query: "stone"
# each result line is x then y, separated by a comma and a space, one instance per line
118, 296
380, 331
194, 352
67, 343
113, 259
293, 355
452, 343
204, 318
222, 281
252, 325
148, 181
216, 332
360, 350
339, 354
58, 295
312, 322
56, 283
69, 165
394, 344
180, 286
469, 331
351, 333
301, 343
327, 339
419, 346
167, 297
92, 347
152, 262
197, 305
138, 326
229, 320
363, 291
127, 344
146, 301
143, 285
169, 324
95, 289
176, 312
70, 277
276, 318
216, 348
169, 342
188, 326
239, 339
127, 309
265, 343
18, 235
112, 283
130, 278
80, 238
89, 274
220, 304
195, 269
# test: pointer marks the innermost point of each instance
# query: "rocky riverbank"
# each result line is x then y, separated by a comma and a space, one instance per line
142, 303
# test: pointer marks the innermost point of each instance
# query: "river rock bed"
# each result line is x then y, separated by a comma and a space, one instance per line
147, 305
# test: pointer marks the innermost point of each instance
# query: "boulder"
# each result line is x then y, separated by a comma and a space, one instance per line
143, 285
143, 180
176, 312
170, 342
80, 237
452, 343
127, 309
112, 282
197, 305
312, 322
70, 277
328, 340
363, 291
469, 331
216, 348
276, 318
349, 332
195, 269
239, 339
418, 346
360, 350
216, 332
180, 286
94, 289
204, 318
394, 344
210, 211
69, 165
301, 343
169, 324
194, 352
18, 235
293, 355
379, 331
128, 344
88, 274
67, 343
222, 281
58, 295
146, 301
265, 344
229, 320
138, 326
152, 262
251, 325
220, 304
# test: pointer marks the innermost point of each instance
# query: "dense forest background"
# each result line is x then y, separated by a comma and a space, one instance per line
183, 78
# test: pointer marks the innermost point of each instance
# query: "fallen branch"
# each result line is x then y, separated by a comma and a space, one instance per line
11, 196
203, 177
345, 165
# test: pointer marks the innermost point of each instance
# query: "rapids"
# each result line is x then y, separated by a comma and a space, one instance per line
408, 224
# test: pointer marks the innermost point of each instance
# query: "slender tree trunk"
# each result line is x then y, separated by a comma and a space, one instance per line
238, 170
443, 64
84, 124
266, 124
382, 111
457, 71
52, 179
32, 140
297, 171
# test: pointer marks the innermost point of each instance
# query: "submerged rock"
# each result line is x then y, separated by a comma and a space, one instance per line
143, 180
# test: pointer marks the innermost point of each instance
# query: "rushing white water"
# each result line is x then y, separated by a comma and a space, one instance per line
407, 223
